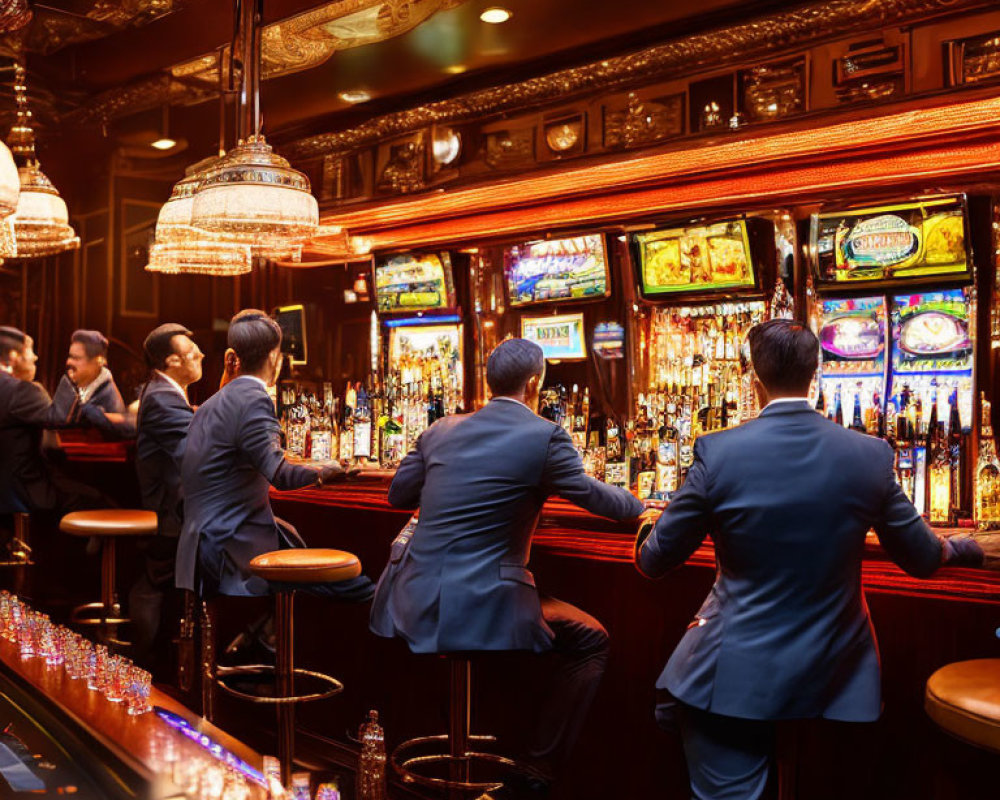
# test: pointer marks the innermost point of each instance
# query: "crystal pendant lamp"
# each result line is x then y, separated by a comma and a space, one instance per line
41, 221
181, 248
254, 195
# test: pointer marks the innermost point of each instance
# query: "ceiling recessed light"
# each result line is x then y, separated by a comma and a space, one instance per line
495, 15
456, 69
355, 96
164, 144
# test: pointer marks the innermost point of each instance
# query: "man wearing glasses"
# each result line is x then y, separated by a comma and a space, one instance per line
788, 499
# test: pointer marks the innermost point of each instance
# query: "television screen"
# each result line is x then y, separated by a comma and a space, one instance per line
853, 336
292, 321
414, 282
930, 332
560, 337
906, 240
557, 269
697, 258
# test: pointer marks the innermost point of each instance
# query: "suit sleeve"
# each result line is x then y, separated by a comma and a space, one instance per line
563, 475
30, 404
682, 527
168, 421
902, 531
408, 482
260, 440
65, 409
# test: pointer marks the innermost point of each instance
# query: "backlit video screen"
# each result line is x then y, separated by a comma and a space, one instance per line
575, 268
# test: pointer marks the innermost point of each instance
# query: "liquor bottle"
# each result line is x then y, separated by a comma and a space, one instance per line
375, 402
570, 411
821, 400
938, 493
320, 434
956, 455
362, 428
347, 426
987, 484
580, 415
857, 423
371, 762
838, 408
667, 459
878, 422
297, 428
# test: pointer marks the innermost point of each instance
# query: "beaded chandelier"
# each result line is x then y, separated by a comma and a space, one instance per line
40, 220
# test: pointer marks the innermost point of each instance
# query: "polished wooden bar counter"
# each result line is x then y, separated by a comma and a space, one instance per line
91, 748
587, 561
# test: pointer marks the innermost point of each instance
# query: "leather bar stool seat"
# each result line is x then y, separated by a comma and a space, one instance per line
306, 565
285, 569
107, 525
964, 700
109, 522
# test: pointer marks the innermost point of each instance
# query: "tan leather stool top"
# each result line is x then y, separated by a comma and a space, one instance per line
964, 699
306, 565
109, 522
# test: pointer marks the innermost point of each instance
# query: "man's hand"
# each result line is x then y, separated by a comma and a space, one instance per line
330, 472
647, 521
963, 551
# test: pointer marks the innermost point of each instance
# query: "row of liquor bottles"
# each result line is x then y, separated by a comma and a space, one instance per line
363, 426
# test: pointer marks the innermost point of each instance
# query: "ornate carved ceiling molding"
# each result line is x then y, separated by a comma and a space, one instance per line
781, 32
291, 45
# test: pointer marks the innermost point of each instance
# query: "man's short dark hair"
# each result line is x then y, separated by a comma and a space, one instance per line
253, 335
784, 355
512, 364
11, 339
94, 342
159, 345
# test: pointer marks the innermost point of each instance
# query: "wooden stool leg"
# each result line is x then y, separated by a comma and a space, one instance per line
207, 663
285, 678
185, 644
21, 547
109, 599
458, 724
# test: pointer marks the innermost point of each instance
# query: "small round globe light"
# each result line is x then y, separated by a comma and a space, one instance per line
354, 96
164, 144
495, 15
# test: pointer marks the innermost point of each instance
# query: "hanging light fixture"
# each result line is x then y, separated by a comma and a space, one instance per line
41, 220
253, 194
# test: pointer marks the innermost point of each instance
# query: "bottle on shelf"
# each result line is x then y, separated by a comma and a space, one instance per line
362, 450
987, 482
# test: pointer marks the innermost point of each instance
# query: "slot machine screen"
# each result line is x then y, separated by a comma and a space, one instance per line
557, 269
561, 337
414, 282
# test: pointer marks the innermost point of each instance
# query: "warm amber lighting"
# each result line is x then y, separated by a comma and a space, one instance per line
164, 144
495, 15
355, 96
456, 69
811, 163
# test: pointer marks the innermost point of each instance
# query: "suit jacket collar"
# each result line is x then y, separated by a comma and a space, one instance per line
798, 407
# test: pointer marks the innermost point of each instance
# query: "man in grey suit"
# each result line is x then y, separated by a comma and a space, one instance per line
785, 633
461, 583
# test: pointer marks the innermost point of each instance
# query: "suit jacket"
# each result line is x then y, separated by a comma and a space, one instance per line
231, 458
785, 632
462, 582
25, 482
164, 417
68, 412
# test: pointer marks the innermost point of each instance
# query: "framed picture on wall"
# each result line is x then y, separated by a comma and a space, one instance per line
140, 290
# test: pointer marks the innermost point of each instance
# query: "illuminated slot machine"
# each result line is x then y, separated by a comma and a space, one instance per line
703, 291
898, 312
557, 295
417, 352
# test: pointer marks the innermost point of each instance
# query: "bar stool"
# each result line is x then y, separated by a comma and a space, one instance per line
286, 568
964, 700
107, 525
459, 758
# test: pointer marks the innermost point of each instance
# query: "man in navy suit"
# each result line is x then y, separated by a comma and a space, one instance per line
86, 395
232, 457
462, 582
164, 416
785, 633
27, 481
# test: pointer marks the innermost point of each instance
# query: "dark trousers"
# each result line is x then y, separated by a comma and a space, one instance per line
148, 598
727, 758
581, 651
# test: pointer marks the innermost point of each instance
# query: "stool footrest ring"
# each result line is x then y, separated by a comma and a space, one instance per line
76, 616
221, 673
404, 766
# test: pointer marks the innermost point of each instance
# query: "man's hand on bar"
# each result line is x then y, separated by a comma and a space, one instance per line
329, 472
